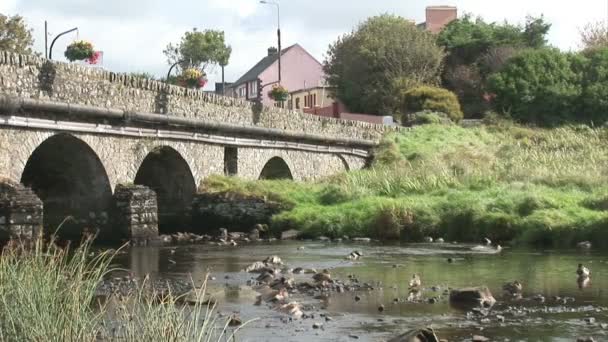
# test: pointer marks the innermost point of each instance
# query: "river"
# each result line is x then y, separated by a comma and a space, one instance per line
388, 268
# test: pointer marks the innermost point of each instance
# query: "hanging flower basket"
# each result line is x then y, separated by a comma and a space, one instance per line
192, 78
278, 93
79, 50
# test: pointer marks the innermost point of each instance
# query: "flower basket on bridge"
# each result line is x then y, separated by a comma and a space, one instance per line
79, 50
278, 93
192, 78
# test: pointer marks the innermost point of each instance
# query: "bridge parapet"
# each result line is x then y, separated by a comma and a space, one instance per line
37, 78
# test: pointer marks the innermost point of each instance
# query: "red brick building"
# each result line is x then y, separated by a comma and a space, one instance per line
437, 17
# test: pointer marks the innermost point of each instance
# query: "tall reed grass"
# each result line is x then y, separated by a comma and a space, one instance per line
49, 293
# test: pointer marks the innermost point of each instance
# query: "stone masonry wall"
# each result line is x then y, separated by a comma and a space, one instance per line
136, 213
34, 77
20, 211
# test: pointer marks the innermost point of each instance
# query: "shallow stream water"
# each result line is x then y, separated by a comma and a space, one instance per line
388, 268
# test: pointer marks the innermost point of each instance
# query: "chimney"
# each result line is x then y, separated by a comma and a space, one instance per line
272, 51
437, 17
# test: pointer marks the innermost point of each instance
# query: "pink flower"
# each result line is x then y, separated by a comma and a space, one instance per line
202, 82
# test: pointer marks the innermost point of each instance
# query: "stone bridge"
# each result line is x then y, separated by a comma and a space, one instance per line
87, 148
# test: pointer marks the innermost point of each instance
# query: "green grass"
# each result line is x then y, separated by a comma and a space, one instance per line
503, 181
49, 294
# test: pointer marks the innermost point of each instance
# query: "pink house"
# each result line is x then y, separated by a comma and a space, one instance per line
299, 70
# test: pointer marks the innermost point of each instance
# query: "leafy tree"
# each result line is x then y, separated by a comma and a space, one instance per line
594, 99
199, 49
539, 86
594, 35
15, 36
384, 55
476, 49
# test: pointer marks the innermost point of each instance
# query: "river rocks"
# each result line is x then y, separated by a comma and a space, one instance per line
291, 234
585, 339
237, 212
427, 239
473, 296
223, 234
479, 338
293, 309
584, 245
235, 321
270, 264
418, 335
254, 235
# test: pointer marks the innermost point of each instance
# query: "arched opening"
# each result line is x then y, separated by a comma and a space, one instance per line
276, 168
168, 174
66, 174
344, 162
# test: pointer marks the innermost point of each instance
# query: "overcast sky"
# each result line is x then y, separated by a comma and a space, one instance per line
133, 33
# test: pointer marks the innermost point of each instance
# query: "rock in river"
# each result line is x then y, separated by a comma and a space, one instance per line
291, 234
418, 335
473, 296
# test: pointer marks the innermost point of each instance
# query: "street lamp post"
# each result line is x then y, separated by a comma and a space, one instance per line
268, 2
57, 37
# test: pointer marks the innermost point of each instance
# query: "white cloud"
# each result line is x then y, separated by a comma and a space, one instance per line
8, 6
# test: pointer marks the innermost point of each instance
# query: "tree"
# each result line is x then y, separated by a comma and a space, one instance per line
198, 49
594, 98
371, 66
223, 58
476, 49
540, 86
15, 36
594, 35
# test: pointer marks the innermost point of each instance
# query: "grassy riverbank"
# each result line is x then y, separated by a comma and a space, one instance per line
48, 294
507, 182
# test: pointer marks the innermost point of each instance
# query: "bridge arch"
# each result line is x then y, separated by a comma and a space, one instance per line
276, 168
71, 180
344, 162
165, 171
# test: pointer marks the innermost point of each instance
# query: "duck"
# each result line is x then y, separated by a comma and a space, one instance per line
354, 255
415, 282
583, 272
322, 276
514, 288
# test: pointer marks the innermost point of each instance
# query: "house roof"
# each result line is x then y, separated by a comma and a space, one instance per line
262, 65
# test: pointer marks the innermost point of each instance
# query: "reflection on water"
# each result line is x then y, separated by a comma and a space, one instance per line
549, 273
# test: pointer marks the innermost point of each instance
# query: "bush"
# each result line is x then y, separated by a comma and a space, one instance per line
432, 99
428, 118
538, 86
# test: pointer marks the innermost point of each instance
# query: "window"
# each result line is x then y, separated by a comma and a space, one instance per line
253, 89
297, 103
290, 104
242, 92
305, 101
314, 100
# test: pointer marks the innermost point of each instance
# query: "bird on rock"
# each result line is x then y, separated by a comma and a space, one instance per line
415, 282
